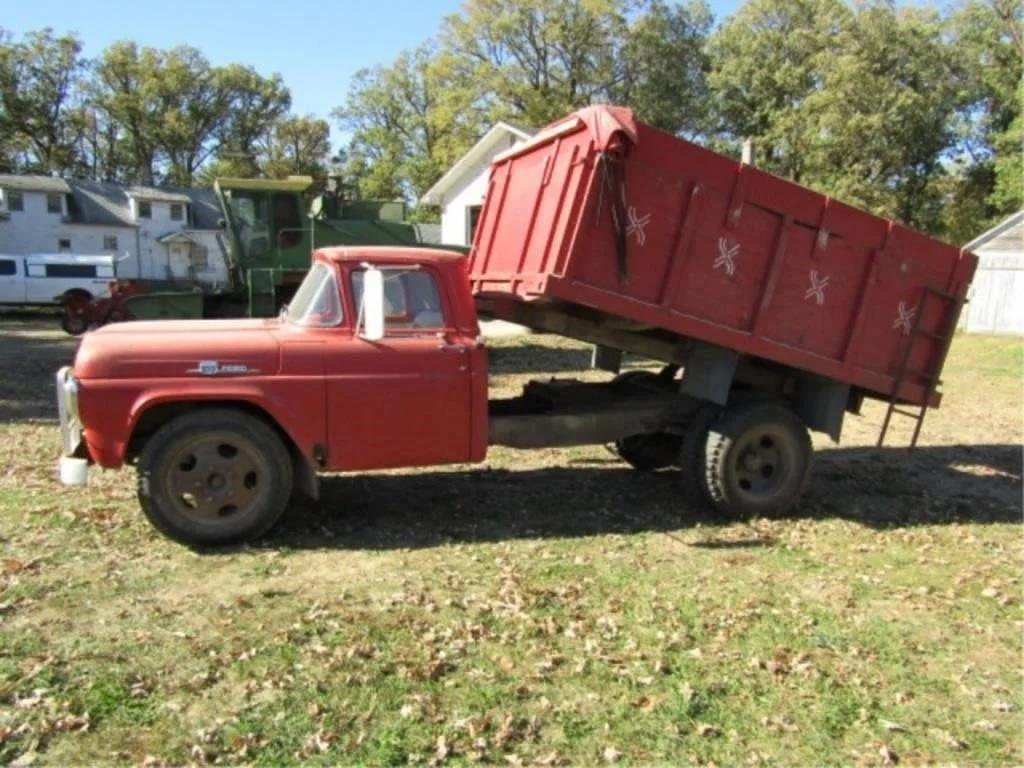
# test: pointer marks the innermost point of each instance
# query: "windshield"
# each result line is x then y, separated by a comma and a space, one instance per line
316, 304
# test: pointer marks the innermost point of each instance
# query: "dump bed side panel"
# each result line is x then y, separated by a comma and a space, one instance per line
656, 230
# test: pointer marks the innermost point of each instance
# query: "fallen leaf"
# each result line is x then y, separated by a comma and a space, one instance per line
888, 756
441, 750
948, 739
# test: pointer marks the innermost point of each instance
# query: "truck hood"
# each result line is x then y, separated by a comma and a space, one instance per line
179, 349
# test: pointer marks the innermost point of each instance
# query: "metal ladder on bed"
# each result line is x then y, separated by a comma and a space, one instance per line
931, 380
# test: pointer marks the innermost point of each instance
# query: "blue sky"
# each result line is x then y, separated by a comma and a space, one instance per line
315, 46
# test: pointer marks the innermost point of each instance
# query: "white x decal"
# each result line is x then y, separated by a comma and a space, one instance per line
818, 286
905, 318
726, 256
637, 224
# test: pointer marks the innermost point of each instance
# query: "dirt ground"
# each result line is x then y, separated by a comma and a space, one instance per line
548, 607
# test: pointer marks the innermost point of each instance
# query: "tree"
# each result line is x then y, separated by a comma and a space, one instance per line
663, 66
988, 38
528, 61
297, 146
856, 102
535, 60
126, 91
256, 104
409, 122
193, 107
38, 78
174, 112
764, 65
100, 152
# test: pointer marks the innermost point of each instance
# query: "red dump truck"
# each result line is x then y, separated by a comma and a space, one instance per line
773, 309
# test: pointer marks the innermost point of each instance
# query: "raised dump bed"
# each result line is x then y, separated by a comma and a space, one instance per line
611, 231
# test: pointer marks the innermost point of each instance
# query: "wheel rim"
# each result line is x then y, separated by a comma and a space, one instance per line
74, 323
215, 478
763, 461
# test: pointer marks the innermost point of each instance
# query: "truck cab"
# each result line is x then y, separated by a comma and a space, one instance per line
375, 363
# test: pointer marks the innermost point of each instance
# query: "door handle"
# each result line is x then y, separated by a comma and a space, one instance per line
458, 348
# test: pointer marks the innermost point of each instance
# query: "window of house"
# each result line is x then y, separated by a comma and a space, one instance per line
145, 209
15, 200
200, 258
71, 270
64, 245
177, 212
8, 267
472, 217
53, 203
411, 299
110, 242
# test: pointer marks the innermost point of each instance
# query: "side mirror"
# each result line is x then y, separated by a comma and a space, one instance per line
372, 309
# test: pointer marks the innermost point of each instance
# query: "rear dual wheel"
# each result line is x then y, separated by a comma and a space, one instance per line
754, 459
214, 477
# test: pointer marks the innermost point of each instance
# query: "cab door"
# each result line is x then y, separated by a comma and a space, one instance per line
404, 400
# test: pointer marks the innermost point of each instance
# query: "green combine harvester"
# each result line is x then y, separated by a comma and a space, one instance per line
271, 228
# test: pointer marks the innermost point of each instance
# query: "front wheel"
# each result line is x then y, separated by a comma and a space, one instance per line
757, 459
214, 477
72, 322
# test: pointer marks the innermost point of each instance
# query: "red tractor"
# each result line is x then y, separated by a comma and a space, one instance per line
81, 312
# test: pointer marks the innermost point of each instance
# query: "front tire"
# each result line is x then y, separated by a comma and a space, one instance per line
73, 323
757, 460
214, 477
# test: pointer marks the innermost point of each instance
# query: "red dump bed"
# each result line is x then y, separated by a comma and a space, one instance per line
602, 211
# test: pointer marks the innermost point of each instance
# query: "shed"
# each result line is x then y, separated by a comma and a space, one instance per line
460, 192
997, 295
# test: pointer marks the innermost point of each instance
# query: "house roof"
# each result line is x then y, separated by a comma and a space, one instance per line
165, 194
31, 183
99, 202
487, 144
1004, 227
105, 203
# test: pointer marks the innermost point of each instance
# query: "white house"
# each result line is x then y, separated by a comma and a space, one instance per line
460, 192
44, 214
997, 293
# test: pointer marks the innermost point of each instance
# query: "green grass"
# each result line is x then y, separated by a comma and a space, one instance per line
547, 608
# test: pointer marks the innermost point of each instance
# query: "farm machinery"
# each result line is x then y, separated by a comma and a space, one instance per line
270, 229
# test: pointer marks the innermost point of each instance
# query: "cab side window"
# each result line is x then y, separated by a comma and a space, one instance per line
8, 267
411, 300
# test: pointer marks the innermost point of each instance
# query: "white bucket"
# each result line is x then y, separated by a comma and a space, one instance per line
73, 471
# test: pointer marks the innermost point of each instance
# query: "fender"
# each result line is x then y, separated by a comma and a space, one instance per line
296, 404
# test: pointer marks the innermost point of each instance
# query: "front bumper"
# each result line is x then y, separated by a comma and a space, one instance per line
74, 467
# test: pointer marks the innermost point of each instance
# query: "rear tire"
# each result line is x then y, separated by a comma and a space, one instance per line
757, 460
649, 451
692, 455
214, 477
